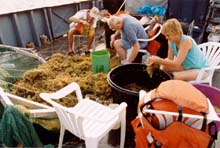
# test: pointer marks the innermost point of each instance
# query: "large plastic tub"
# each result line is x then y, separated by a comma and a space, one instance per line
123, 75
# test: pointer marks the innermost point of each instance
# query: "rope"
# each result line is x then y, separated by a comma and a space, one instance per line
121, 6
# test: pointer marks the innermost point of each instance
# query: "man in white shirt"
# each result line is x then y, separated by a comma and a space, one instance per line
83, 23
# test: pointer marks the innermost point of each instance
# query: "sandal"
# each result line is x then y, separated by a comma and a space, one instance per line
87, 53
70, 52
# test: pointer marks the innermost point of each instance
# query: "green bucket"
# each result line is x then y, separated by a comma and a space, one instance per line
100, 61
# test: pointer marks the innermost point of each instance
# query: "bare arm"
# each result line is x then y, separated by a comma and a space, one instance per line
170, 61
76, 20
78, 17
114, 37
116, 34
170, 52
73, 19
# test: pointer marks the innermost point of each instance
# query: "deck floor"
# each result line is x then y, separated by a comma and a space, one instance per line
60, 45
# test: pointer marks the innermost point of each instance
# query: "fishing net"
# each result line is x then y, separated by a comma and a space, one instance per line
14, 62
16, 124
16, 129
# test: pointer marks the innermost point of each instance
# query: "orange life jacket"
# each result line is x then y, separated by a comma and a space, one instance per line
85, 29
168, 131
153, 46
176, 135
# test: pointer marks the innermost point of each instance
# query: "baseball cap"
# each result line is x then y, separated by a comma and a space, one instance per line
94, 12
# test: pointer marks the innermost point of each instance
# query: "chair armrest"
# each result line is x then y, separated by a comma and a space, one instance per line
146, 28
113, 114
83, 116
203, 73
154, 37
66, 91
211, 68
143, 51
121, 107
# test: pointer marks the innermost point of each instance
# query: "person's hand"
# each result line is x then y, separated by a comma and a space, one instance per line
127, 62
151, 60
84, 22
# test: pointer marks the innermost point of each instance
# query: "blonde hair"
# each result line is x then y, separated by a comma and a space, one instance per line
172, 26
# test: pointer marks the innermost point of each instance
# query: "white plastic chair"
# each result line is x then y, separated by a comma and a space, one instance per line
155, 36
88, 120
212, 52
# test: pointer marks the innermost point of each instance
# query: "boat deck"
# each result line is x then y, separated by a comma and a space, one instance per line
60, 45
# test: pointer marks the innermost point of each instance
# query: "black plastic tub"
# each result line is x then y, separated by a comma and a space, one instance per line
124, 75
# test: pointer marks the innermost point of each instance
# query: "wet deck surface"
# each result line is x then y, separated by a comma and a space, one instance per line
60, 45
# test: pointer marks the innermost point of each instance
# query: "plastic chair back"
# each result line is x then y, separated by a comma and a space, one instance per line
88, 119
212, 52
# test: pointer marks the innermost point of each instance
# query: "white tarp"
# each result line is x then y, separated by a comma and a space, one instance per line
11, 6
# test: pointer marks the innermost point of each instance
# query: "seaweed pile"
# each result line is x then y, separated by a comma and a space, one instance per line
59, 71
151, 68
